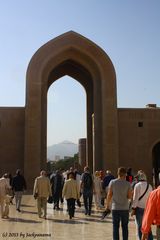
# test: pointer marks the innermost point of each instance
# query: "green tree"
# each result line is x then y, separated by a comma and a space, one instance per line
64, 164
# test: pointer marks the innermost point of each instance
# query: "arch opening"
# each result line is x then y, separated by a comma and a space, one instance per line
156, 163
66, 117
79, 73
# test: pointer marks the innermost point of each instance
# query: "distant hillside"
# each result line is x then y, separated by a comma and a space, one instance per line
65, 148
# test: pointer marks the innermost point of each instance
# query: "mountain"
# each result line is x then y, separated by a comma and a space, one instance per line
58, 151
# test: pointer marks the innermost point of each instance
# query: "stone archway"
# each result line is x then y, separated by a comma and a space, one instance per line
74, 55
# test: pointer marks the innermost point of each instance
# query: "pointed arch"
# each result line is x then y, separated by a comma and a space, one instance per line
74, 55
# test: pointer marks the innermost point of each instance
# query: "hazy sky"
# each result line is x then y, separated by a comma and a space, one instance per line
127, 30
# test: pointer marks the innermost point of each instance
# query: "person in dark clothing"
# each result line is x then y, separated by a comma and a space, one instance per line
129, 176
18, 186
106, 180
108, 177
87, 187
56, 186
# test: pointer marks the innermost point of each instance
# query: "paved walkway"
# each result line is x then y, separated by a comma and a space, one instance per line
57, 226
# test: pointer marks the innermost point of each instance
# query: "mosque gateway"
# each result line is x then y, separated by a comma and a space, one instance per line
115, 136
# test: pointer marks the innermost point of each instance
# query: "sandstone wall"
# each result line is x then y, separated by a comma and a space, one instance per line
11, 139
139, 131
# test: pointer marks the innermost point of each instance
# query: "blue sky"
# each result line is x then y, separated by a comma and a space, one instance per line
127, 30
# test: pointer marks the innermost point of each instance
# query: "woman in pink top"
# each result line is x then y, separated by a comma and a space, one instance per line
151, 214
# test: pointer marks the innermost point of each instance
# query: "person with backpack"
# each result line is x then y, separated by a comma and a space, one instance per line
87, 187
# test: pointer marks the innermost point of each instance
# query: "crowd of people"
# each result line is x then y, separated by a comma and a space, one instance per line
123, 195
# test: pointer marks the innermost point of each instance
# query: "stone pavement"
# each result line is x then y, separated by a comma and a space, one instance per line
57, 226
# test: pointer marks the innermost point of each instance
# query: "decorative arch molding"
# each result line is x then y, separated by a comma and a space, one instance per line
154, 144
74, 55
151, 149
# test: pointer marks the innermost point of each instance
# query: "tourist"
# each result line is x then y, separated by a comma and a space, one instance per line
135, 179
87, 187
101, 174
108, 177
41, 192
71, 193
56, 181
129, 176
4, 198
77, 177
11, 191
151, 214
134, 182
18, 186
63, 180
141, 192
119, 192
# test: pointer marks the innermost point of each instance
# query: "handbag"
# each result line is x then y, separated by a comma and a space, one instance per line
50, 199
35, 195
105, 213
78, 203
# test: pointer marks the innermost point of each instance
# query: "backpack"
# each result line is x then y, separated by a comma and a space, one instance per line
87, 181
